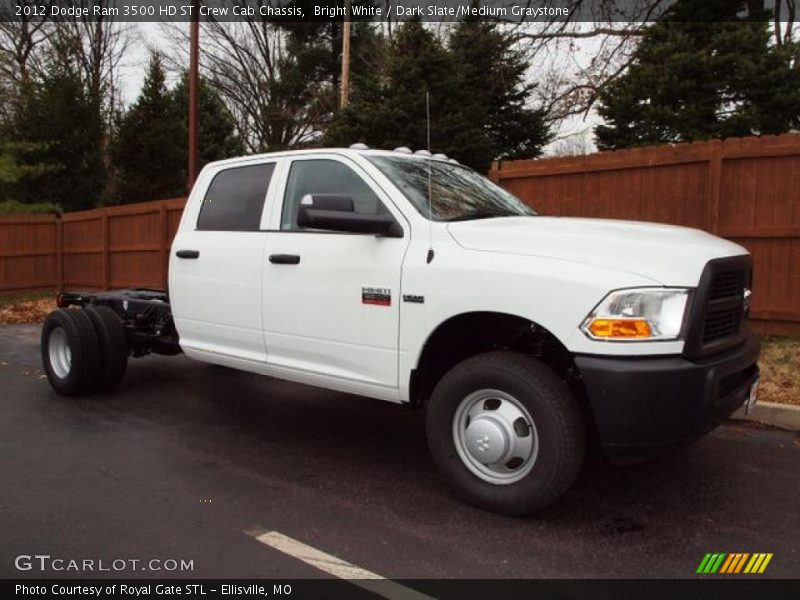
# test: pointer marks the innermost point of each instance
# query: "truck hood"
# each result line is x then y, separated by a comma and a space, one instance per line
666, 254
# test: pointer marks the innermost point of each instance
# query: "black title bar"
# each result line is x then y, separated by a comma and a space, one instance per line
729, 588
504, 11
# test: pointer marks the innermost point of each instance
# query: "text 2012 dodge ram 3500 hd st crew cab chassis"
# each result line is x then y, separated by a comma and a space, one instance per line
413, 279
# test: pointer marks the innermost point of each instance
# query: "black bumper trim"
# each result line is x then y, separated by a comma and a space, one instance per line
645, 406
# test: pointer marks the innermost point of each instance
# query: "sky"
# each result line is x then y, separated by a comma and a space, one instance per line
143, 36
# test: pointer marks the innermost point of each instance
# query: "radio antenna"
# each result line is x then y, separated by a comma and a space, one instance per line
430, 184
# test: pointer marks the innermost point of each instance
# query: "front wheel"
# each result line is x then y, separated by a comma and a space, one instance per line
505, 432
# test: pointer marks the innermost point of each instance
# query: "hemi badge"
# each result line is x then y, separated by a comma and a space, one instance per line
414, 299
376, 296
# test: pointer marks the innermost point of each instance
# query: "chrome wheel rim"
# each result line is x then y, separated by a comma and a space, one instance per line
495, 436
60, 353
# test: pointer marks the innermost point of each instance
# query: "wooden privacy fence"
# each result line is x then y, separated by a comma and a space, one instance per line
121, 246
743, 189
746, 189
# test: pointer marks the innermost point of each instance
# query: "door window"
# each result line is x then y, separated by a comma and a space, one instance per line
235, 199
322, 176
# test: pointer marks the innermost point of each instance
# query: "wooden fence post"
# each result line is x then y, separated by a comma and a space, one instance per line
59, 254
494, 172
106, 254
714, 186
164, 243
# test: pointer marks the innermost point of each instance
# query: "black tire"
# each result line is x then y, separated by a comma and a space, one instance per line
114, 348
552, 407
81, 374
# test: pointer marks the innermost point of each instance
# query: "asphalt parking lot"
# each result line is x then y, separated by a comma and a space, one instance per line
187, 460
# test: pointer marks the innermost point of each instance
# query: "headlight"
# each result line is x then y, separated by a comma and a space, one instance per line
643, 314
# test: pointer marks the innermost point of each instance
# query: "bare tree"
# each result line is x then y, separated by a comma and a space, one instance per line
578, 55
22, 40
783, 24
94, 47
91, 46
575, 57
249, 64
578, 143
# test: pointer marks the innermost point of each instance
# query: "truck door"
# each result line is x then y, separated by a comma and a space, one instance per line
331, 300
215, 266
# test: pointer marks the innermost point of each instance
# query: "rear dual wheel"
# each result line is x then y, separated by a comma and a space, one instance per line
114, 349
84, 350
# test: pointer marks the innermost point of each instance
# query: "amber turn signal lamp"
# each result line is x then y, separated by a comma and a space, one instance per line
620, 328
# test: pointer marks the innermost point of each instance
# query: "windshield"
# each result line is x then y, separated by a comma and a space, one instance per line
457, 193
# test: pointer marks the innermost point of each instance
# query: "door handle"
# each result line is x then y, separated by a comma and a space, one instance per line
284, 259
187, 254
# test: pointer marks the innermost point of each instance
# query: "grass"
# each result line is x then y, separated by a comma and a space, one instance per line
780, 370
780, 356
26, 308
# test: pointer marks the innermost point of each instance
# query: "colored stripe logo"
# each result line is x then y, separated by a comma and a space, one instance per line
734, 563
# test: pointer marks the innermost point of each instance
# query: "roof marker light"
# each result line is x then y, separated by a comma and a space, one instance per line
403, 150
359, 146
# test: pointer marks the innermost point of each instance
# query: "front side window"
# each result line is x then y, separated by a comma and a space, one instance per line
235, 199
323, 176
457, 193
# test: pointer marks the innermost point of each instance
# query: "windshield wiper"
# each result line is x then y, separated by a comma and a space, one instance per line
478, 213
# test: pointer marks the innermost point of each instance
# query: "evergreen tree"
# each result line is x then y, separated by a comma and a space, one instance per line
391, 111
57, 134
150, 150
13, 171
315, 48
418, 63
706, 70
314, 51
478, 98
493, 95
216, 128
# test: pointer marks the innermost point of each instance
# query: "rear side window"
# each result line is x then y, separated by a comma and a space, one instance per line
235, 199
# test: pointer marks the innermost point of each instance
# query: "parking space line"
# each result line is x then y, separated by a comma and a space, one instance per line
338, 568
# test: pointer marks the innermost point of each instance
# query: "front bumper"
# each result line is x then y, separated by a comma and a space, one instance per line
648, 406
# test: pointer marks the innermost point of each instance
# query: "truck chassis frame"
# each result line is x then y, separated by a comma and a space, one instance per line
145, 313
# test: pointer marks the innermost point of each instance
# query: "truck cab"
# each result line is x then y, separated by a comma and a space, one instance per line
410, 278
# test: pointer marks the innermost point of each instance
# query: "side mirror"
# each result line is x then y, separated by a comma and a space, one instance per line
337, 213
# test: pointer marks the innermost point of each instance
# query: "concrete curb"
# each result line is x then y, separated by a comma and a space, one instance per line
784, 416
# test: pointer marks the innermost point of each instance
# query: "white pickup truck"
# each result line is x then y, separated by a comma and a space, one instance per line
409, 278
